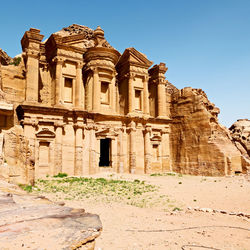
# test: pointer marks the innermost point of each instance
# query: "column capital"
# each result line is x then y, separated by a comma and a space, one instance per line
165, 130
147, 129
114, 74
162, 81
130, 75
30, 122
58, 60
79, 126
91, 126
59, 124
146, 78
79, 65
94, 69
32, 53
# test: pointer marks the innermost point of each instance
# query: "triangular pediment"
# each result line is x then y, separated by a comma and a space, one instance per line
106, 133
45, 133
79, 41
134, 57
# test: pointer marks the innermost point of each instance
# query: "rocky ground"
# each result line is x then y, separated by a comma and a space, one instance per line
191, 213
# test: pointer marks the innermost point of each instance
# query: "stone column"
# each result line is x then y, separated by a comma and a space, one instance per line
166, 163
59, 81
132, 149
32, 67
31, 46
96, 91
79, 90
145, 96
117, 97
121, 152
58, 147
161, 93
78, 149
147, 155
88, 95
113, 93
1, 85
92, 149
130, 94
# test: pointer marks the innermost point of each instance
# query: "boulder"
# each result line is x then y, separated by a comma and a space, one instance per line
33, 222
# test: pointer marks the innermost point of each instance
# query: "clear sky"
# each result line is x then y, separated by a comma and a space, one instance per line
204, 43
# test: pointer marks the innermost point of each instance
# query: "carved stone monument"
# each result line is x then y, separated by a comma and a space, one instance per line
80, 107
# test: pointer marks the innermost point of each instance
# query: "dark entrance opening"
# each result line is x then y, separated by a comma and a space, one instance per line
105, 153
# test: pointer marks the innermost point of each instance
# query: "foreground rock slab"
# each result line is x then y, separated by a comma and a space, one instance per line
33, 222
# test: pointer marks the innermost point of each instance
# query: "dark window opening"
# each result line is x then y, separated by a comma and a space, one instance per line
237, 172
105, 152
68, 90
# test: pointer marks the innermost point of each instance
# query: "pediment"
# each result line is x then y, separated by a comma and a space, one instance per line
134, 57
79, 41
45, 133
106, 133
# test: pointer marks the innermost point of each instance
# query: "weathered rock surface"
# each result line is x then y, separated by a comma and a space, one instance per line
240, 132
200, 145
34, 222
4, 58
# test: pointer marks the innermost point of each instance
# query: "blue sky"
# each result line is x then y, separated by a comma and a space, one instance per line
204, 43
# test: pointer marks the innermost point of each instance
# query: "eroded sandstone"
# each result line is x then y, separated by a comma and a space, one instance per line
200, 145
34, 222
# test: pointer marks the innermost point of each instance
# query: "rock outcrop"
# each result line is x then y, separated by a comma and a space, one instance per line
34, 222
4, 58
200, 145
240, 132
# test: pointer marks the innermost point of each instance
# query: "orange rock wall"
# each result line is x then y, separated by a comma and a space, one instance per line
199, 144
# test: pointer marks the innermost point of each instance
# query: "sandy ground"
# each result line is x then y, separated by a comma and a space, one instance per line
132, 228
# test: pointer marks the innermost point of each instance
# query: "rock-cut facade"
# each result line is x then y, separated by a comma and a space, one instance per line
72, 103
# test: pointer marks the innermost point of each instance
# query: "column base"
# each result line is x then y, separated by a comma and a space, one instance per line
162, 117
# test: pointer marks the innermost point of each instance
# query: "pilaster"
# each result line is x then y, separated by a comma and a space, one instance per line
96, 90
161, 94
130, 93
31, 47
147, 155
132, 148
78, 148
92, 148
58, 146
157, 77
79, 90
145, 96
166, 162
58, 81
113, 92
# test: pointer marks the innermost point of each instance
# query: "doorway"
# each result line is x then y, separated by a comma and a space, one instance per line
44, 156
105, 153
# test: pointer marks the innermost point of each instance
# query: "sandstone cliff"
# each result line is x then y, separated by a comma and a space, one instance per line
200, 145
